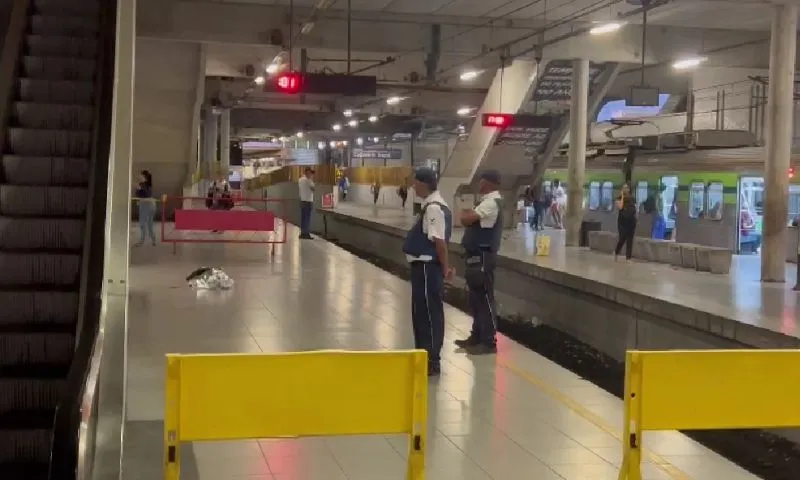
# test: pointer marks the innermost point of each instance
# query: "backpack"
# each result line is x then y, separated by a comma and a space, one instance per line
628, 208
649, 205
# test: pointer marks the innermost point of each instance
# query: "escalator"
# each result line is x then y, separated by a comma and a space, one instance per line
47, 189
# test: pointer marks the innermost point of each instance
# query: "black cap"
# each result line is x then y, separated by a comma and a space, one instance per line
427, 176
491, 176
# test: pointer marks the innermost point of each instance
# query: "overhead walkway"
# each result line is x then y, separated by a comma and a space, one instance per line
513, 416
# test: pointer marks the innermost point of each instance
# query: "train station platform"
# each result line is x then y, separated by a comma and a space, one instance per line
514, 416
631, 304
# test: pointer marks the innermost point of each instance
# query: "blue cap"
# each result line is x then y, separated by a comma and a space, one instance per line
427, 176
491, 176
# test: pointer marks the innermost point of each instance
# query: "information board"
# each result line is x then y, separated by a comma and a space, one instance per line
532, 132
555, 81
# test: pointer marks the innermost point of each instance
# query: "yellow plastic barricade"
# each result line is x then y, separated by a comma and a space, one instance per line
705, 390
250, 396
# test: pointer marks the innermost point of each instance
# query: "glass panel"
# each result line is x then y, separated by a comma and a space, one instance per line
641, 192
607, 196
594, 195
715, 201
697, 200
794, 204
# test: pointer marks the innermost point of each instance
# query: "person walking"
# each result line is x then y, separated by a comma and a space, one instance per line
147, 207
483, 231
306, 190
425, 247
626, 222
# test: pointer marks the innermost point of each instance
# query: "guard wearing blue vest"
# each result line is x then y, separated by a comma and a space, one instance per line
425, 247
483, 231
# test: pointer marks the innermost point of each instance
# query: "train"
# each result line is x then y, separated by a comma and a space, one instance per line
710, 197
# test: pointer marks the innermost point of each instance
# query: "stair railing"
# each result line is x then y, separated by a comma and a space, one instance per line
74, 426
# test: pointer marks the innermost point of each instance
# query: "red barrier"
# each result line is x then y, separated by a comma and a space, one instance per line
250, 221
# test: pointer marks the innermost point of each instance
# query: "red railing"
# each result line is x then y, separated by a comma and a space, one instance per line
248, 221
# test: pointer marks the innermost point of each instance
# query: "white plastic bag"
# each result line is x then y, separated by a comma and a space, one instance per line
210, 278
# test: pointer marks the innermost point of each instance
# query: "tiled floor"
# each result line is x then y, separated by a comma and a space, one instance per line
740, 295
515, 416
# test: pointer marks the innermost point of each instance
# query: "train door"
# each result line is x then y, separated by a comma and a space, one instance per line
751, 214
669, 204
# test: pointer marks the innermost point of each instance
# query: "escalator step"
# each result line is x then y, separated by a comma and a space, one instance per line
57, 46
46, 143
68, 26
34, 308
49, 116
26, 444
39, 269
30, 394
67, 7
42, 201
23, 234
58, 68
25, 471
19, 349
45, 170
55, 91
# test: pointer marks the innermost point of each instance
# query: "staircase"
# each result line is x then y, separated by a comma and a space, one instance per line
44, 177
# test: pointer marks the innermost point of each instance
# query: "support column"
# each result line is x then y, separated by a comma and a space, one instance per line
211, 136
225, 142
576, 167
780, 111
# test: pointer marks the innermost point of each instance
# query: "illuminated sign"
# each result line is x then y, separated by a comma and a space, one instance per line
289, 82
497, 120
324, 84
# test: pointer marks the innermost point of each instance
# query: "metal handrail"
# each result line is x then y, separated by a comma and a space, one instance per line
73, 431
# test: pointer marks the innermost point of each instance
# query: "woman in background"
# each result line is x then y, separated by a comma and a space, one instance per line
147, 207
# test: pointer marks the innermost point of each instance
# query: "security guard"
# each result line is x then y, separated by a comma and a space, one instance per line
425, 247
482, 234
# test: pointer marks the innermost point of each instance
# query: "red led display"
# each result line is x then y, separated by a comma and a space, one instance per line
289, 82
791, 172
497, 120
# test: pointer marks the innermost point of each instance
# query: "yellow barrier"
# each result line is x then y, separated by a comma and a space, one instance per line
705, 390
249, 396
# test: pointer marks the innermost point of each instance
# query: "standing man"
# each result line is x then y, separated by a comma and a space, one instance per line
483, 230
425, 247
306, 187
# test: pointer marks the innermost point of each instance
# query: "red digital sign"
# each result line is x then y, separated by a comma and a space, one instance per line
289, 82
791, 172
497, 120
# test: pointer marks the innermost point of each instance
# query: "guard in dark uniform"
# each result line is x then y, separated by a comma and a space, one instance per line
483, 231
425, 247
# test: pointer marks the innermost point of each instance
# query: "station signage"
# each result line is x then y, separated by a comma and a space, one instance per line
383, 154
555, 81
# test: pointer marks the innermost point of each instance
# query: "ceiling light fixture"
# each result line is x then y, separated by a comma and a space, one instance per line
259, 80
605, 28
299, 134
333, 144
337, 127
394, 100
373, 118
376, 139
688, 63
353, 123
470, 75
344, 143
273, 68
348, 113
359, 141
321, 145
463, 111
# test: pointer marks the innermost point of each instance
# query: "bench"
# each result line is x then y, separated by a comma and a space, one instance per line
702, 258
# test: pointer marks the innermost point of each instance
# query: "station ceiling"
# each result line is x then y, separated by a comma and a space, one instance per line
730, 32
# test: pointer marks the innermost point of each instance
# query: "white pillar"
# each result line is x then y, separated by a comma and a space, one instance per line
225, 142
211, 136
780, 111
576, 167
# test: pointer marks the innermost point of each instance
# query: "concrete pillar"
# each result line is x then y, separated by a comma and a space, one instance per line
225, 142
780, 110
211, 137
576, 166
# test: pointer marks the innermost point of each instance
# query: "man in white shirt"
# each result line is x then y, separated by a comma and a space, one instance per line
306, 188
483, 231
425, 247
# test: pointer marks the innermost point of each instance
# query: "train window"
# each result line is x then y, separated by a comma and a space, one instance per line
714, 200
641, 192
594, 195
607, 196
794, 204
697, 200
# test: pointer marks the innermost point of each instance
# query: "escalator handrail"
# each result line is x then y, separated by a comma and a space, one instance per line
72, 420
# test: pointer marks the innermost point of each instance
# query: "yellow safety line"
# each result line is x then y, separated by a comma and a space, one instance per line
671, 470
